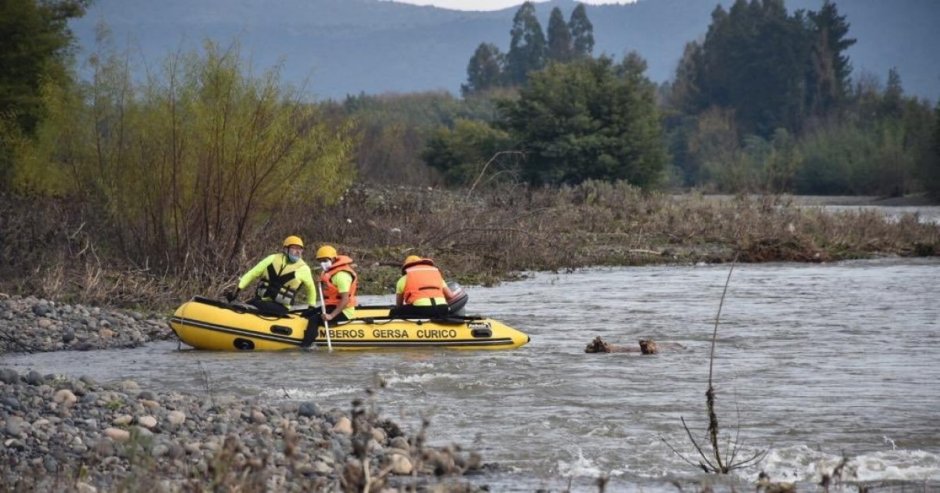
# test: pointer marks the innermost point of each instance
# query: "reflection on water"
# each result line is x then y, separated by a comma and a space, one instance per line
813, 361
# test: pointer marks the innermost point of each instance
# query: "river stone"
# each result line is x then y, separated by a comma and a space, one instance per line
14, 427
50, 464
118, 435
105, 333
146, 394
68, 335
104, 448
401, 465
147, 421
129, 386
258, 416
322, 468
122, 420
11, 403
44, 323
85, 488
308, 409
65, 397
176, 418
343, 426
400, 443
9, 376
160, 450
149, 404
378, 434
12, 443
41, 310
33, 378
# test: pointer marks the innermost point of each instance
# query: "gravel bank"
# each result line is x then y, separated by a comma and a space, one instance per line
36, 325
60, 434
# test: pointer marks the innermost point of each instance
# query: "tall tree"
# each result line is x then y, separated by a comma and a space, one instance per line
933, 169
527, 50
755, 60
892, 103
35, 53
582, 32
35, 44
587, 120
828, 81
485, 69
686, 92
559, 38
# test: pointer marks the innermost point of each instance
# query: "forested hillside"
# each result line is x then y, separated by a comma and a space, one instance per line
352, 46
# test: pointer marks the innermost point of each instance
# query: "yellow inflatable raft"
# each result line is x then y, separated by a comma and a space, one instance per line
209, 324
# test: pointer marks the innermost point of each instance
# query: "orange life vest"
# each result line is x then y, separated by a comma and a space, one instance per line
422, 280
331, 294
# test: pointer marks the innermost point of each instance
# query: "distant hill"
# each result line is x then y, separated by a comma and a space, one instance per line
350, 46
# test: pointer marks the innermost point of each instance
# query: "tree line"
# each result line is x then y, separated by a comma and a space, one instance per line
529, 49
765, 101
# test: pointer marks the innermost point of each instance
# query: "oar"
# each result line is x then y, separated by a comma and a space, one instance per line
326, 325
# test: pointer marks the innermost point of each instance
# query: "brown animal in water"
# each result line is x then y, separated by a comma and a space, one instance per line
598, 345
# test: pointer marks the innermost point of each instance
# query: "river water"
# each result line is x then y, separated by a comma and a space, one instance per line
813, 362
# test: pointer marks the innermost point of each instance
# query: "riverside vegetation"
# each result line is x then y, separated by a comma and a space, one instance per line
478, 237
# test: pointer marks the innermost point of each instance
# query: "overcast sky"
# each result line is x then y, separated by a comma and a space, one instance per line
488, 4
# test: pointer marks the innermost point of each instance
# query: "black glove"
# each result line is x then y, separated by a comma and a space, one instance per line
231, 295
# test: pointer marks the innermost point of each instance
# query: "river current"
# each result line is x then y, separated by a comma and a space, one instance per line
813, 363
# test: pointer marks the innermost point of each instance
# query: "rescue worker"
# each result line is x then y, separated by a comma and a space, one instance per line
282, 275
421, 291
340, 284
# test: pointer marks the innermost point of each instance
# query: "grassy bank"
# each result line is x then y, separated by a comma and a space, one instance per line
55, 250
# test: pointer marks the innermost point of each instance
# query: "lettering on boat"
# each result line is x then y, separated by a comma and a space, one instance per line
343, 334
479, 325
437, 334
389, 334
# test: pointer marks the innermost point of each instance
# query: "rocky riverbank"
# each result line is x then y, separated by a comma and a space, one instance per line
30, 324
63, 434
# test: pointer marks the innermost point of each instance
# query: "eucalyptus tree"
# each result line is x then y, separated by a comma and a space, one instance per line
559, 38
527, 46
485, 70
582, 32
